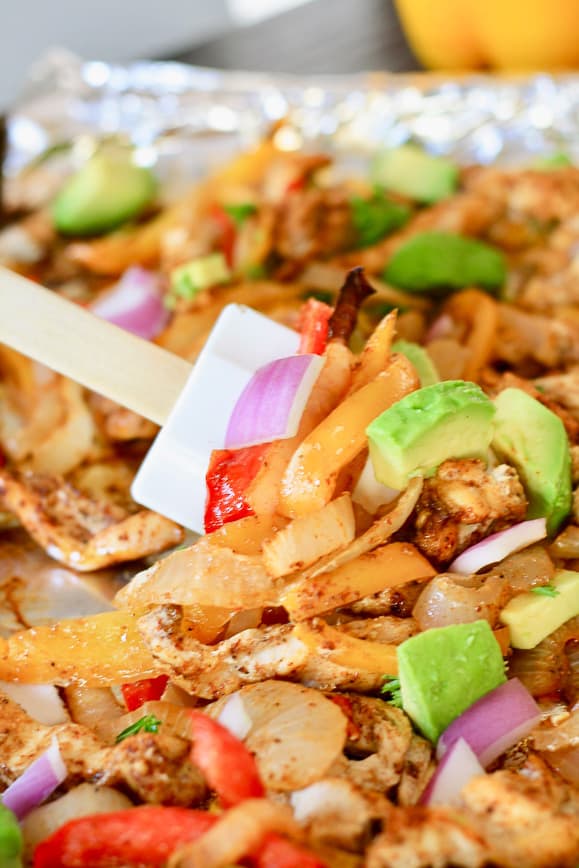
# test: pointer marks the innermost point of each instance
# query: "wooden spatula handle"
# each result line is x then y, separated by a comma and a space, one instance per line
72, 341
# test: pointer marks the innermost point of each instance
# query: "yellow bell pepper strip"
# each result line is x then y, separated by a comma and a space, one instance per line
344, 650
480, 313
505, 34
388, 566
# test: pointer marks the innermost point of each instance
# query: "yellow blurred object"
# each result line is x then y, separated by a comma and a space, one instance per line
503, 34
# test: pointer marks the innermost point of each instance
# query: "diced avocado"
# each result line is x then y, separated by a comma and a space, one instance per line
412, 172
452, 419
533, 439
376, 217
531, 618
419, 357
440, 262
205, 271
107, 191
10, 839
556, 160
443, 671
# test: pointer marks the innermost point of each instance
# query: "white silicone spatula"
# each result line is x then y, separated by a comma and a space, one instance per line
192, 404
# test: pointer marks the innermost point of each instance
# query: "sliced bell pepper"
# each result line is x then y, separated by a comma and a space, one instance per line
278, 852
227, 230
138, 692
144, 836
227, 766
313, 324
228, 477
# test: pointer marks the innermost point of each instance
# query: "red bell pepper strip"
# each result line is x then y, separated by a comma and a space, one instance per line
228, 477
313, 323
144, 836
138, 692
227, 766
228, 232
278, 852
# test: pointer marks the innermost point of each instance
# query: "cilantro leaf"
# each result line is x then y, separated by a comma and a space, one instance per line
391, 691
148, 723
376, 217
545, 591
240, 213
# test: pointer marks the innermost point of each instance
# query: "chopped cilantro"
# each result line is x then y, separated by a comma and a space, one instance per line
376, 217
148, 723
545, 591
240, 213
391, 691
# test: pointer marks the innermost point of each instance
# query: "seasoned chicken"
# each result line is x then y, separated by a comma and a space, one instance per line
313, 223
81, 532
524, 339
418, 768
462, 502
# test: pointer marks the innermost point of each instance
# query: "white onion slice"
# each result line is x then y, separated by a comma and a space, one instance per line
135, 303
458, 766
370, 493
271, 405
40, 701
494, 723
39, 781
499, 545
235, 718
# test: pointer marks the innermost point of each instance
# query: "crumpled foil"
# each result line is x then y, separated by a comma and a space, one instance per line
188, 118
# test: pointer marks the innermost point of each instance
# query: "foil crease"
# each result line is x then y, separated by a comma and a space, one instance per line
187, 119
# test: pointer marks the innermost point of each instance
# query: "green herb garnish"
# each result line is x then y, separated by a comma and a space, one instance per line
376, 217
148, 723
240, 213
391, 691
546, 591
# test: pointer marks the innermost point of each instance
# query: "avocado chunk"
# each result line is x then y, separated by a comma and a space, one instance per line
197, 274
106, 192
418, 356
10, 839
531, 618
556, 160
374, 218
440, 262
533, 439
410, 171
443, 671
452, 419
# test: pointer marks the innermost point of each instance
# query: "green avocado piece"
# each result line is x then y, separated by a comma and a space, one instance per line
419, 357
443, 671
452, 419
440, 262
106, 192
410, 171
533, 439
197, 274
556, 160
10, 839
376, 217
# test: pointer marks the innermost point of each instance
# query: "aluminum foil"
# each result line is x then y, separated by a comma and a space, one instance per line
186, 119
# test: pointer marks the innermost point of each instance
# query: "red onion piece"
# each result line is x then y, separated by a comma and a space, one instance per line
457, 767
135, 303
494, 723
271, 405
497, 546
39, 781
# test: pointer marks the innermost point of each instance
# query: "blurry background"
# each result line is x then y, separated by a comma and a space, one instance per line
116, 29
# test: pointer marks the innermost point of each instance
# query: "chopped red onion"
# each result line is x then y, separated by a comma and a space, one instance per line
38, 782
497, 546
135, 303
271, 405
457, 767
495, 722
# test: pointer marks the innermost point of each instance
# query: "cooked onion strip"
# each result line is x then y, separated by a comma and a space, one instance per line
344, 650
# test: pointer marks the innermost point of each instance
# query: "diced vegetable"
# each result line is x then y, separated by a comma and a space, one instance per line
494, 723
39, 781
439, 262
313, 325
410, 171
138, 692
498, 546
419, 357
135, 303
205, 271
271, 405
10, 839
376, 217
531, 617
456, 768
228, 477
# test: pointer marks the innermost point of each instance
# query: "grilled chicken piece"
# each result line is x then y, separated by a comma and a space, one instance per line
462, 503
81, 532
526, 338
397, 602
526, 822
542, 196
418, 768
155, 767
428, 838
335, 812
313, 223
118, 423
386, 629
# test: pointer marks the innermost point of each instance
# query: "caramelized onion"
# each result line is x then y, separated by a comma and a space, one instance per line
554, 738
451, 599
543, 669
174, 719
525, 570
566, 762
